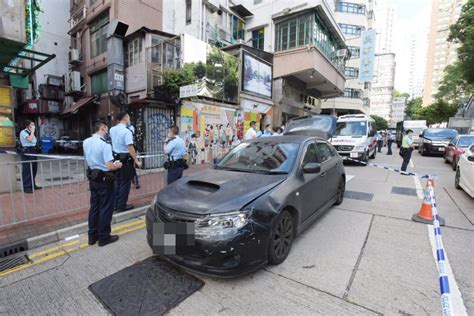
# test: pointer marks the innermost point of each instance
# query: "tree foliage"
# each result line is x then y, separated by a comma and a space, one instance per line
380, 122
398, 94
438, 112
453, 88
413, 108
462, 32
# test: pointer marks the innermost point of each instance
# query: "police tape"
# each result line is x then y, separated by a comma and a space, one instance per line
425, 176
446, 301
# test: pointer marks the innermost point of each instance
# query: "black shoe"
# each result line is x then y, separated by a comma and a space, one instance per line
128, 207
38, 188
92, 240
111, 239
28, 191
137, 187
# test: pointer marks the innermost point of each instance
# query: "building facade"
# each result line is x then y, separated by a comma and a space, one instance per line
417, 53
353, 18
441, 53
382, 87
384, 25
88, 90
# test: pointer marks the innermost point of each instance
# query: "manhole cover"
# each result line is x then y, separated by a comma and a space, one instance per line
150, 287
58, 179
404, 191
12, 261
356, 195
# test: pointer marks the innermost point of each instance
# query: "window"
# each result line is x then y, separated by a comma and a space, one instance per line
370, 15
99, 82
325, 153
236, 28
350, 29
257, 1
258, 38
352, 93
355, 51
311, 155
351, 72
155, 50
135, 52
92, 2
188, 11
98, 35
350, 7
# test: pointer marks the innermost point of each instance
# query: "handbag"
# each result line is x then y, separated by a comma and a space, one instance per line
403, 151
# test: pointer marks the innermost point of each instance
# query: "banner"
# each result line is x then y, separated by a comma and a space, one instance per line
367, 56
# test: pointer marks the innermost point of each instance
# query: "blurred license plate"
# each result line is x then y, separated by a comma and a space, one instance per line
354, 155
441, 149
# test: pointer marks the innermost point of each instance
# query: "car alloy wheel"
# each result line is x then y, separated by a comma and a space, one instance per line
341, 188
281, 238
457, 179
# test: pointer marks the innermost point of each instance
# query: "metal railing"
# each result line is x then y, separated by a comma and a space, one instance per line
65, 188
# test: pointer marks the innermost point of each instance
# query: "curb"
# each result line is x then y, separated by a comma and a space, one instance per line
61, 234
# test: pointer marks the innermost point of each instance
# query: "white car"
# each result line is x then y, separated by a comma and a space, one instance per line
465, 172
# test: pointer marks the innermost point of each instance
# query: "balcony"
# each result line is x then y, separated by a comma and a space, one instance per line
78, 16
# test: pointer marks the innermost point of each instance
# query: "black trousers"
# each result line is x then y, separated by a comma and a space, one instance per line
406, 159
102, 208
380, 145
389, 146
28, 170
174, 174
123, 182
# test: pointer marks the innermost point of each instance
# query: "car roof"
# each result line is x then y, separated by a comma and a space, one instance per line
286, 139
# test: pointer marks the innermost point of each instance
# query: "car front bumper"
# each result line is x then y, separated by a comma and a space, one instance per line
434, 148
358, 155
229, 256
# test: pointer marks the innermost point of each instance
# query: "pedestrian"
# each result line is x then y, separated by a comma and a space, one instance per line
379, 142
406, 149
122, 145
251, 133
390, 139
29, 166
100, 172
175, 149
267, 131
229, 134
136, 179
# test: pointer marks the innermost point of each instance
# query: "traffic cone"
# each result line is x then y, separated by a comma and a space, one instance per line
425, 215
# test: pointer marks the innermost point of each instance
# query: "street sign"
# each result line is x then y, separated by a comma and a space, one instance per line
367, 56
188, 91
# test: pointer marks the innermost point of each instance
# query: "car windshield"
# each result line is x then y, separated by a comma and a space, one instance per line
261, 157
351, 128
443, 133
466, 141
417, 130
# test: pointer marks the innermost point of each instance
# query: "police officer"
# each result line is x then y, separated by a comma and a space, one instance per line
407, 148
28, 146
100, 162
122, 145
176, 150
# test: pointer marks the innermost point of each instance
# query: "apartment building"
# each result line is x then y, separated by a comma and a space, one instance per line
353, 17
96, 60
381, 98
441, 53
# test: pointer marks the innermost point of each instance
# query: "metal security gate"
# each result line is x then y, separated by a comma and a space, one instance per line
156, 121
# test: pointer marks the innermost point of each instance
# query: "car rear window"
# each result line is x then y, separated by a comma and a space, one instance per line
445, 133
466, 141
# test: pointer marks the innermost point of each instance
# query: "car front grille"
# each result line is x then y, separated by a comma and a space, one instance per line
343, 147
167, 215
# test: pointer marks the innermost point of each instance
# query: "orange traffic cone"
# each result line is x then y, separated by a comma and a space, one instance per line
425, 215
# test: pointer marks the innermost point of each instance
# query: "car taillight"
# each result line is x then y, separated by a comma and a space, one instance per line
459, 151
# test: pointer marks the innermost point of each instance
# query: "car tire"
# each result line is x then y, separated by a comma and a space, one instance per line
423, 151
341, 188
457, 179
455, 163
281, 238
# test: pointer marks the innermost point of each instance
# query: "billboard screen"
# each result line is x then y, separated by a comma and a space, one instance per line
257, 76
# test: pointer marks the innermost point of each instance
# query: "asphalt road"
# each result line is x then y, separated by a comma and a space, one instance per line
363, 257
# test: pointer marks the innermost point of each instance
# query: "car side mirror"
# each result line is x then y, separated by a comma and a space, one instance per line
470, 158
312, 167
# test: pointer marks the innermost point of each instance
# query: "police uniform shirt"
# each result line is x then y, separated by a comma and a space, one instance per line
121, 138
97, 152
176, 148
24, 141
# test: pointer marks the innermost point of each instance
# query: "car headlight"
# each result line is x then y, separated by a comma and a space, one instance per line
220, 224
359, 147
427, 141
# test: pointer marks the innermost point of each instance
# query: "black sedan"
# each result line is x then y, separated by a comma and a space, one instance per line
435, 140
246, 211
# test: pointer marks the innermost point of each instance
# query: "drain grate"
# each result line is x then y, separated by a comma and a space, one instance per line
404, 191
12, 262
58, 179
356, 195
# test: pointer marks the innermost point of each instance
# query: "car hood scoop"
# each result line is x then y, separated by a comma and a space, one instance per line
216, 191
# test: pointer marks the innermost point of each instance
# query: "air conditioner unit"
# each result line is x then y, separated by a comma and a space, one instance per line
341, 53
74, 56
73, 82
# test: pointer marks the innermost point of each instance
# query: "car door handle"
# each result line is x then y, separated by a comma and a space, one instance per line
323, 174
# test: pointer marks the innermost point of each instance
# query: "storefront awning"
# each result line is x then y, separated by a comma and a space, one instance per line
76, 106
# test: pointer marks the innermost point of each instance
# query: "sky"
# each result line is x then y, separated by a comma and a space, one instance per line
412, 20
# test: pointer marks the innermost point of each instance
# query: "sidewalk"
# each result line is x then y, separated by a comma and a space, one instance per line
57, 207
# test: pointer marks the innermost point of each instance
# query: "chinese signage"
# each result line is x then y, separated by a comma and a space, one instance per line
188, 91
367, 56
7, 127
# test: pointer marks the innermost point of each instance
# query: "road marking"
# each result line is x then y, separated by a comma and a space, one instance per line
419, 189
61, 250
349, 178
458, 303
71, 237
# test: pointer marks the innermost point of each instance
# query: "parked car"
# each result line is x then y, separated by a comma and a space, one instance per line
67, 145
247, 210
456, 147
435, 140
465, 172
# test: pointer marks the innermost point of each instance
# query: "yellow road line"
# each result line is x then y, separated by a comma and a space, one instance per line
62, 251
119, 227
